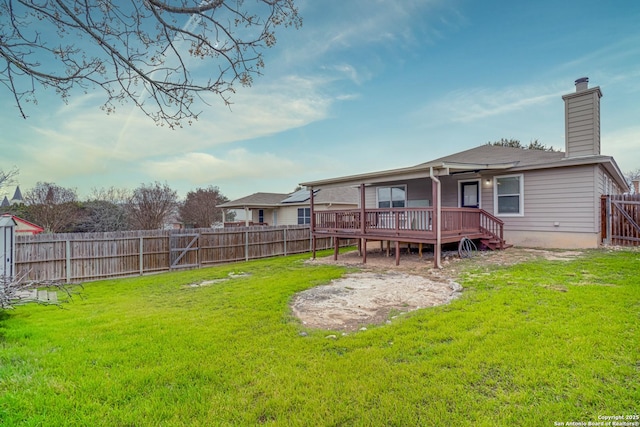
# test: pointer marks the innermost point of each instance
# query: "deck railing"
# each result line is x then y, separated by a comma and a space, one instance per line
408, 221
491, 225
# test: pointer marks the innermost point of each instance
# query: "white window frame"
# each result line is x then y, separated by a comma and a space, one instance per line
479, 182
520, 194
304, 216
404, 186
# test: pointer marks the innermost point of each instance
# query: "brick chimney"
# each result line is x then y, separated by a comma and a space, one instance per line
582, 120
636, 186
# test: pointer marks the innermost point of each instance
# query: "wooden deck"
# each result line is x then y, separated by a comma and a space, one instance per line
409, 225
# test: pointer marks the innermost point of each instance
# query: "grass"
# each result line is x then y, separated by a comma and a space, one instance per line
533, 344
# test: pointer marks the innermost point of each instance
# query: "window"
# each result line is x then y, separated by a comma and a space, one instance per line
392, 197
261, 216
509, 195
304, 215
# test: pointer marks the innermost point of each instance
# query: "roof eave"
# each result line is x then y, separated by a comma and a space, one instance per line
412, 172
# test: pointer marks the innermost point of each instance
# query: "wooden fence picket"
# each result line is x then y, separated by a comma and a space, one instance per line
78, 257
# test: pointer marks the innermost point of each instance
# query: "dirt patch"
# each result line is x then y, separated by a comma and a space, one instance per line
230, 276
381, 289
361, 299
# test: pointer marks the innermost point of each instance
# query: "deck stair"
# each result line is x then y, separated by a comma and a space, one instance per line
494, 243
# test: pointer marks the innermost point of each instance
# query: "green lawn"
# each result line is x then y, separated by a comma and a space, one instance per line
533, 344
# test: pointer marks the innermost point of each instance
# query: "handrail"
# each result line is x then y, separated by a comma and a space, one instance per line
492, 225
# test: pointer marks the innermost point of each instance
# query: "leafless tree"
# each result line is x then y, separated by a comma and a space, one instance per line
52, 207
199, 208
101, 216
139, 51
104, 210
632, 176
115, 195
16, 290
8, 177
534, 144
150, 206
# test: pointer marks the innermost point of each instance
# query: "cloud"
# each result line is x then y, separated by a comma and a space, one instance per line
387, 25
622, 144
472, 104
80, 139
203, 168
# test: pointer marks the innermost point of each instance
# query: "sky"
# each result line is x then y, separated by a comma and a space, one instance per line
363, 85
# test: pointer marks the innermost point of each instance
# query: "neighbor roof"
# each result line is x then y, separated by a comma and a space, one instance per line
255, 200
337, 195
483, 158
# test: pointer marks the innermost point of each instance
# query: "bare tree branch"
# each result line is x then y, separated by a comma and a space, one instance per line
141, 52
150, 205
52, 207
18, 290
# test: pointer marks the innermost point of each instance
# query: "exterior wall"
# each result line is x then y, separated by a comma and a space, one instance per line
561, 208
22, 228
449, 190
562, 200
553, 240
561, 205
418, 193
268, 216
288, 215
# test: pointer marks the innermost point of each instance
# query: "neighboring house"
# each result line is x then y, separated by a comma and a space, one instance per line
498, 195
24, 227
290, 209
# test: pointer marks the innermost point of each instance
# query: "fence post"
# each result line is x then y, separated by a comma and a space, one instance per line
246, 245
141, 256
68, 259
284, 238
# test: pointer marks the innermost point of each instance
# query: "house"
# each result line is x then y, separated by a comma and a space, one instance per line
290, 209
496, 195
24, 227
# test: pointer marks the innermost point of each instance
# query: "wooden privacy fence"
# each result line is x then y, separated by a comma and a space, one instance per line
620, 219
77, 257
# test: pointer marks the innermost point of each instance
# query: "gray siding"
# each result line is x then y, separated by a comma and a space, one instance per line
566, 196
418, 192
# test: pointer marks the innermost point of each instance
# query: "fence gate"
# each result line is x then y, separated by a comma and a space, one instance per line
183, 248
621, 219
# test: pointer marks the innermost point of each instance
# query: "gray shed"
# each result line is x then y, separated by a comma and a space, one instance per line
7, 245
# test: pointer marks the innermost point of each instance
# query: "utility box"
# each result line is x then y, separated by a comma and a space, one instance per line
7, 246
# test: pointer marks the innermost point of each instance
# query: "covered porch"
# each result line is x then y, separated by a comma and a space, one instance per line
418, 216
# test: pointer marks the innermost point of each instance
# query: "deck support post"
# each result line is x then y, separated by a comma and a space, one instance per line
364, 253
312, 223
313, 246
336, 242
397, 252
363, 224
437, 218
